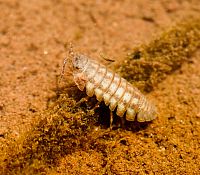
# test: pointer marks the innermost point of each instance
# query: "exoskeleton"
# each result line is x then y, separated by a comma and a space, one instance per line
109, 87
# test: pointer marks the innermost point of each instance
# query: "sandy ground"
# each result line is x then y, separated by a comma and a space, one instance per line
33, 35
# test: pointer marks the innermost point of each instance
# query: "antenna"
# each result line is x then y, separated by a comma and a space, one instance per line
66, 60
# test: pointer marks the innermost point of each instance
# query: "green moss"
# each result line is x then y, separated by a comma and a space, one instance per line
149, 64
55, 133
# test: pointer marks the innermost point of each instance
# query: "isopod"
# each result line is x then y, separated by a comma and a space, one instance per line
108, 86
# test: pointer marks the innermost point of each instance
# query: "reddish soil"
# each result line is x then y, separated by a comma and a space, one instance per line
33, 35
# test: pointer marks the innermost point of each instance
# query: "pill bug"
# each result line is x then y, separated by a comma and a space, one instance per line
108, 86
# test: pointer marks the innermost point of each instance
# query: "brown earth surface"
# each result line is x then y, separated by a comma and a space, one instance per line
33, 36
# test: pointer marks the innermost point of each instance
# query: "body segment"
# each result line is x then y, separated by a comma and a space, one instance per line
115, 91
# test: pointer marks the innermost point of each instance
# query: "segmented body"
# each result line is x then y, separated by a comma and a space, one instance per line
107, 86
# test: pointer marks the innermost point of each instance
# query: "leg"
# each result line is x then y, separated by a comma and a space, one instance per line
111, 119
96, 105
69, 66
92, 111
85, 99
106, 58
122, 122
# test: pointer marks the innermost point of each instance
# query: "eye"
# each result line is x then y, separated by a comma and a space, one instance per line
76, 67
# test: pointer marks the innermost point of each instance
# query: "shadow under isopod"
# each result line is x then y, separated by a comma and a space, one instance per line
101, 113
